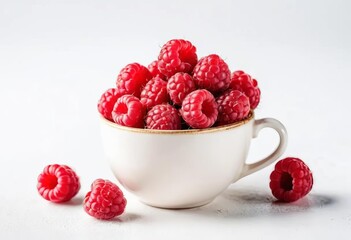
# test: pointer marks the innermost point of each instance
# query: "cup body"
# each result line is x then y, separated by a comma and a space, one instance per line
177, 169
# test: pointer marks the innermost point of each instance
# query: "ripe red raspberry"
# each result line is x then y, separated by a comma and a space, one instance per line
212, 73
105, 200
291, 179
180, 85
107, 101
129, 111
245, 83
163, 117
58, 183
153, 68
233, 106
154, 92
132, 79
199, 109
177, 55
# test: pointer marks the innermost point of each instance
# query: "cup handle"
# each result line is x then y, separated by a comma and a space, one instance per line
283, 139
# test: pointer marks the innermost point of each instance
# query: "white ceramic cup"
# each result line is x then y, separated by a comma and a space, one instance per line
184, 168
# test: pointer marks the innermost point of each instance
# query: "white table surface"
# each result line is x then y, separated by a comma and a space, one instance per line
57, 57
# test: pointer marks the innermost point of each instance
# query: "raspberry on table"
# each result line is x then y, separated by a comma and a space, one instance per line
58, 183
212, 73
163, 117
129, 111
291, 179
199, 109
153, 69
105, 200
177, 55
233, 106
154, 92
132, 79
180, 85
107, 101
245, 83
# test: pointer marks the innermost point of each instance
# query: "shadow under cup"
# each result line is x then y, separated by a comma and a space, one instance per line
184, 168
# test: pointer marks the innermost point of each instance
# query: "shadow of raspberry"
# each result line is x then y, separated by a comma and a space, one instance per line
75, 201
125, 217
243, 203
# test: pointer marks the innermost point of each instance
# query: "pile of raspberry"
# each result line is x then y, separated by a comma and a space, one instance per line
290, 180
59, 183
178, 91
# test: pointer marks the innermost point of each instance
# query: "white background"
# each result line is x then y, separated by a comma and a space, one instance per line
57, 57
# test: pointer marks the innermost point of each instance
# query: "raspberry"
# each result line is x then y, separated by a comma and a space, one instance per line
153, 68
163, 117
243, 82
212, 73
291, 179
107, 101
129, 111
58, 183
180, 85
233, 106
199, 109
177, 55
154, 92
105, 200
132, 79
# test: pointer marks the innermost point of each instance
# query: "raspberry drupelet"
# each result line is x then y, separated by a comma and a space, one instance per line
132, 79
58, 183
154, 92
212, 73
233, 106
163, 117
245, 83
177, 55
129, 111
105, 200
178, 86
155, 72
199, 109
107, 101
291, 179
